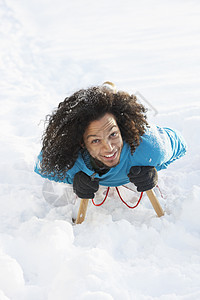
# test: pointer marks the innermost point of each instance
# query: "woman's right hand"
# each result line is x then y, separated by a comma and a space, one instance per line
85, 187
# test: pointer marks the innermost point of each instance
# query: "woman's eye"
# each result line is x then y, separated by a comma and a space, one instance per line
95, 141
114, 134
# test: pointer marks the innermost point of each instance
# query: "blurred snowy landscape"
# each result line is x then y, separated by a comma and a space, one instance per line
48, 50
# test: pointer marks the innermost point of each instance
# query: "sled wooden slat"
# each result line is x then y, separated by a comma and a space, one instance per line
155, 203
82, 211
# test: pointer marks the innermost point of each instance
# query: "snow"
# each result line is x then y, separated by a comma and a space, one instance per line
49, 50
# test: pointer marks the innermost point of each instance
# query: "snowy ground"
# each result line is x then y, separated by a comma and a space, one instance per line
48, 50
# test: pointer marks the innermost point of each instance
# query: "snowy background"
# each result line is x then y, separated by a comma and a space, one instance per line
49, 49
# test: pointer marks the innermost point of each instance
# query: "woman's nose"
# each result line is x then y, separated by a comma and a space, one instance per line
108, 146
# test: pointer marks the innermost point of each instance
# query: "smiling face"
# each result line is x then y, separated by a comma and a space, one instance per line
103, 140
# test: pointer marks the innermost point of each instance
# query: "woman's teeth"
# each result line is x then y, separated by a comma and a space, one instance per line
110, 155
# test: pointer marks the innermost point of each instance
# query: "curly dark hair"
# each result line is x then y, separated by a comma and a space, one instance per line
63, 136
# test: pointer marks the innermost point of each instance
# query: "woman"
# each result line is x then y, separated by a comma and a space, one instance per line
99, 136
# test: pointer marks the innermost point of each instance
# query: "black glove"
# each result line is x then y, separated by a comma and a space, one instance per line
144, 178
84, 187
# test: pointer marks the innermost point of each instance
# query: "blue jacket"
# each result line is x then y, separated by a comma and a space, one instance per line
159, 147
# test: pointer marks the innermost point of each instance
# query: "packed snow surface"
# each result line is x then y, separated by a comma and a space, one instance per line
48, 50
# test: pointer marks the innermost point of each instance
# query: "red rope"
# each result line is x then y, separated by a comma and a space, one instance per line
120, 199
160, 191
103, 199
126, 203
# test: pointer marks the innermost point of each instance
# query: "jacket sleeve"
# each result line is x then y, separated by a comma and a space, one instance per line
177, 147
52, 176
167, 145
